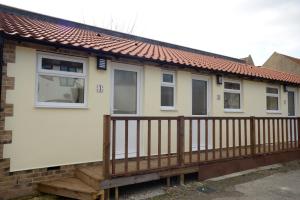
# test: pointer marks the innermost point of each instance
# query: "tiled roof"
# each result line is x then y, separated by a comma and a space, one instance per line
67, 34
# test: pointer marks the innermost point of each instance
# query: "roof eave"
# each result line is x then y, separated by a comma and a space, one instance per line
119, 55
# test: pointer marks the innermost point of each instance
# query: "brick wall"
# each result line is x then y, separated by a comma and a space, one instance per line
21, 183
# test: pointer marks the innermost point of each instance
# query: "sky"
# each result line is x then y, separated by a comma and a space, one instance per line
234, 28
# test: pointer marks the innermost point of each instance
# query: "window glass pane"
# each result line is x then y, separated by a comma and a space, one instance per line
60, 89
291, 103
62, 65
167, 96
125, 92
199, 97
272, 90
168, 78
231, 100
232, 86
272, 103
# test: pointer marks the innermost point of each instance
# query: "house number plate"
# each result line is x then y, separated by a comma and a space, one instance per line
99, 88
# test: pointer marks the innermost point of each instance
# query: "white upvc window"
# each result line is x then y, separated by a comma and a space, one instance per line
168, 88
232, 96
61, 81
272, 99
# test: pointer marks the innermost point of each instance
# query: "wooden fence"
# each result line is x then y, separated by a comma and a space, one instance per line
151, 144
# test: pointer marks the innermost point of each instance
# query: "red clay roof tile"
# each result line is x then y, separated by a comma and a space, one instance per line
40, 29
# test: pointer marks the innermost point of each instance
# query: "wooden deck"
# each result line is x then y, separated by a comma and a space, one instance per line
248, 142
89, 182
97, 171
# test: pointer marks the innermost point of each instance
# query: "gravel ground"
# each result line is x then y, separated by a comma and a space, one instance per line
275, 183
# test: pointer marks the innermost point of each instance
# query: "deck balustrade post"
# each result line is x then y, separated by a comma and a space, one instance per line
298, 131
252, 135
180, 140
106, 146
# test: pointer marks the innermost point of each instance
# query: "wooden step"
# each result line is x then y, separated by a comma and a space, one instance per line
91, 176
69, 187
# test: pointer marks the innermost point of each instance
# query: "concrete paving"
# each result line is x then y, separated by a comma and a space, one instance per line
280, 186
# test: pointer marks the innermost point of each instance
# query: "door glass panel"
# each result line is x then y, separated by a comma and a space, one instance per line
199, 97
125, 92
291, 103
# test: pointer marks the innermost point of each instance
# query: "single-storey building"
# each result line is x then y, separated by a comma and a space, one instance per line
74, 96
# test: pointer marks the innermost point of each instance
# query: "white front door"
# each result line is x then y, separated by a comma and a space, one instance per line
200, 107
125, 102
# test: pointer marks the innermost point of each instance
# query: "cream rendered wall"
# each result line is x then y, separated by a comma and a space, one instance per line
44, 137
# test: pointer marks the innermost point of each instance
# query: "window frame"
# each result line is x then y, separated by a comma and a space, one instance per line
240, 91
168, 84
273, 95
40, 71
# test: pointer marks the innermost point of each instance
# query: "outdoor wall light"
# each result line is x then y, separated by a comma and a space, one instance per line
219, 79
285, 88
101, 63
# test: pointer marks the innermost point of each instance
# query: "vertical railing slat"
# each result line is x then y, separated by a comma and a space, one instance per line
190, 140
273, 125
291, 133
206, 139
221, 138
240, 138
287, 133
227, 138
264, 135
169, 142
149, 145
278, 136
214, 138
113, 160
246, 136
295, 133
159, 144
233, 137
258, 136
282, 135
252, 135
138, 137
126, 147
269, 136
199, 140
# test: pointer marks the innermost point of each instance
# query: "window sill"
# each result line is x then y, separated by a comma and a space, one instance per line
233, 111
62, 106
163, 108
273, 111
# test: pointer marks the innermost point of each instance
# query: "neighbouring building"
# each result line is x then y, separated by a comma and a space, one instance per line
283, 63
248, 60
67, 86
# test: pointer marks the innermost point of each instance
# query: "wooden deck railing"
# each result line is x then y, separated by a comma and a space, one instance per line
135, 145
